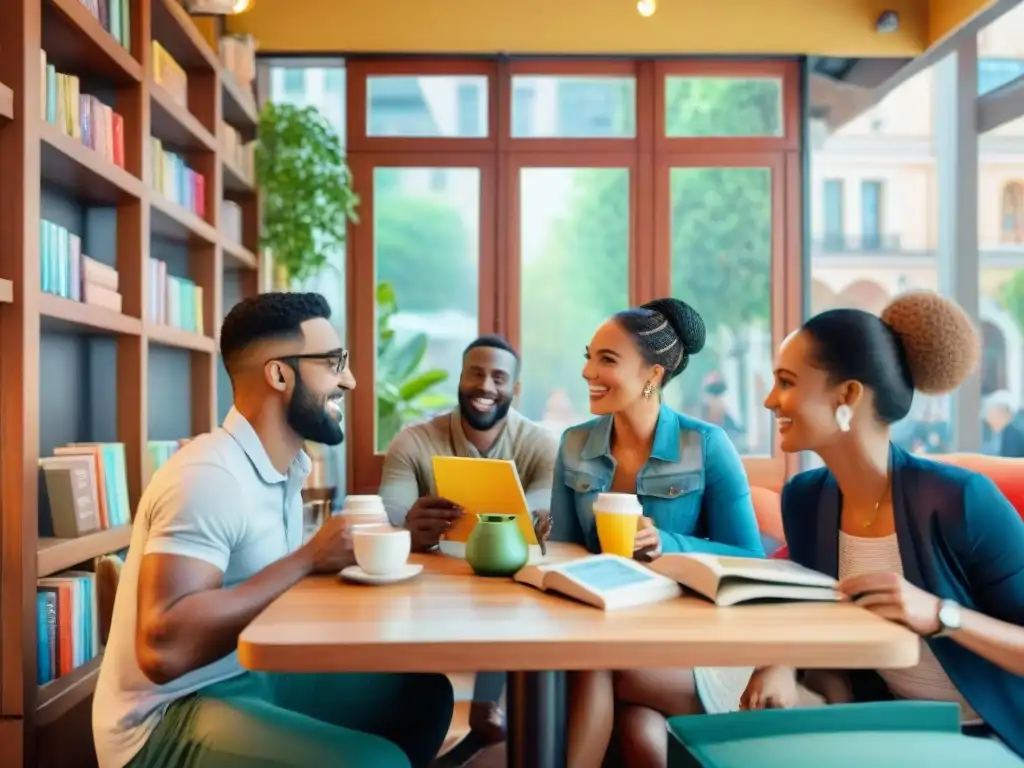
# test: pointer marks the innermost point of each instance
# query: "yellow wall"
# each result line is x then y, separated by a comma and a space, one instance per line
827, 27
946, 16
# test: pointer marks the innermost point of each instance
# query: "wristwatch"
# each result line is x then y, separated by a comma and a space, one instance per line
950, 618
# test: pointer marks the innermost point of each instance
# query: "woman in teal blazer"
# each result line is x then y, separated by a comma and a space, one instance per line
934, 547
690, 481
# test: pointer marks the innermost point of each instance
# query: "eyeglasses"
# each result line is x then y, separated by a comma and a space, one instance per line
336, 359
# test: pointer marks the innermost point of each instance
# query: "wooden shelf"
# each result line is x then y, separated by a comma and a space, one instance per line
174, 125
169, 336
60, 315
174, 29
76, 42
236, 182
59, 696
239, 106
172, 222
83, 172
6, 291
6, 104
237, 256
55, 555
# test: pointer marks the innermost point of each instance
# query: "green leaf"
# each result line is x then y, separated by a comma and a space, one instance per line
413, 388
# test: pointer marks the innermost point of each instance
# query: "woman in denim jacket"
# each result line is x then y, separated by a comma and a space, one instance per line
694, 493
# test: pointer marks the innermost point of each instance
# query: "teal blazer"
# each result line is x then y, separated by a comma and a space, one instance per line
959, 539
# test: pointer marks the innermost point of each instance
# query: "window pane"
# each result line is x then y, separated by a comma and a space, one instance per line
890, 246
426, 252
1001, 50
322, 88
834, 214
428, 106
574, 235
721, 233
576, 107
723, 107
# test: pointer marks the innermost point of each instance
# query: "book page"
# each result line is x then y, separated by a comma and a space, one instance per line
763, 570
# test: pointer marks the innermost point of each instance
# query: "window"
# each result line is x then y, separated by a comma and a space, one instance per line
578, 203
469, 109
524, 100
995, 73
871, 215
294, 81
834, 215
1012, 213
334, 81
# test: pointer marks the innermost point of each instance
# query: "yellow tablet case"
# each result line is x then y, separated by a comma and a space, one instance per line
480, 486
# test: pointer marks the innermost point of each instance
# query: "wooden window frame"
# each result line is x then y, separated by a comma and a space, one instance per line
500, 157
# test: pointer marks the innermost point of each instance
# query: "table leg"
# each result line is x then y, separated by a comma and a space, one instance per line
536, 719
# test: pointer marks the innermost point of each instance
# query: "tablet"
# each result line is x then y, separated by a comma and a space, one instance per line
482, 486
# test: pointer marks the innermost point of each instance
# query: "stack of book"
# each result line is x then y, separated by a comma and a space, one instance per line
159, 452
86, 488
79, 115
238, 55
171, 300
115, 17
239, 153
231, 220
169, 74
66, 271
67, 624
176, 181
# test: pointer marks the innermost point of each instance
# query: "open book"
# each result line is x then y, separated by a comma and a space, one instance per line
603, 581
731, 580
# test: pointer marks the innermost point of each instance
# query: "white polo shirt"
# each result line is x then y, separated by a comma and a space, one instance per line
218, 499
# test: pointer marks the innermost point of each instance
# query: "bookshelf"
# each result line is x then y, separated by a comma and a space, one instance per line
73, 369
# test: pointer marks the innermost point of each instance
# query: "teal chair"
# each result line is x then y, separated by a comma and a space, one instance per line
876, 735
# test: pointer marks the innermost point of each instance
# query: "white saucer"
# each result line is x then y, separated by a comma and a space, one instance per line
357, 574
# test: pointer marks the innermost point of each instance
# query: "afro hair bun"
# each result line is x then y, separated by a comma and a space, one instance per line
942, 345
684, 320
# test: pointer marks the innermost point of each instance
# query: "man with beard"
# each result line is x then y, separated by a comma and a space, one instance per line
484, 425
216, 539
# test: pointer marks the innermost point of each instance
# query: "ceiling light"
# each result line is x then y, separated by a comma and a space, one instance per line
646, 8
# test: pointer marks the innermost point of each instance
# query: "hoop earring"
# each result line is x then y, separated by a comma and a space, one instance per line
844, 414
648, 391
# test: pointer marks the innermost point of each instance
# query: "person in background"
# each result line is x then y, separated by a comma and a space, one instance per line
933, 547
1005, 424
715, 409
695, 497
216, 539
484, 425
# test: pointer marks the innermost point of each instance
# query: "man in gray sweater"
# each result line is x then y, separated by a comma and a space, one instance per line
484, 425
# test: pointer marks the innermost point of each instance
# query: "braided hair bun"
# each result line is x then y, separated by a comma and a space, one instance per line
667, 331
941, 344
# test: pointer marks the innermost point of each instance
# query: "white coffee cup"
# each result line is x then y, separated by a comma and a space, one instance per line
361, 511
618, 504
381, 550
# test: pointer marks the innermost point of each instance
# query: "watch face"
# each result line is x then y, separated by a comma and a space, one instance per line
949, 615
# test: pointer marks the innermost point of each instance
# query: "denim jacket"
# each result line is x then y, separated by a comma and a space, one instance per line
693, 487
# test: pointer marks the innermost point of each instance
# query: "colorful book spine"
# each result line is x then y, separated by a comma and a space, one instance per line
80, 115
174, 301
67, 624
176, 181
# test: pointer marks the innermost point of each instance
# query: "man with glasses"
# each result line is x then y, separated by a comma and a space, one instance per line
218, 537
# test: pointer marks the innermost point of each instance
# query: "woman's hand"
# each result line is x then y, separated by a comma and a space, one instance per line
771, 688
892, 597
647, 544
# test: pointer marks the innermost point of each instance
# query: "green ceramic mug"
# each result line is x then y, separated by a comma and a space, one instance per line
496, 546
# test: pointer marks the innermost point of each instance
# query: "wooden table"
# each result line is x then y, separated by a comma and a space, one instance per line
448, 620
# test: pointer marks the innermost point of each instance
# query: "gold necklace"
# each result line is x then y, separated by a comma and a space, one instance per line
874, 516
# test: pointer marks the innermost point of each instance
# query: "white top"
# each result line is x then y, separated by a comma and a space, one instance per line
927, 681
218, 499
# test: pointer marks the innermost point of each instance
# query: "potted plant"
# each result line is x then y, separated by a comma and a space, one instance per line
307, 190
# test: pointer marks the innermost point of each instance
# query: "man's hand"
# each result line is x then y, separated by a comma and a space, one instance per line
330, 548
428, 518
542, 524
